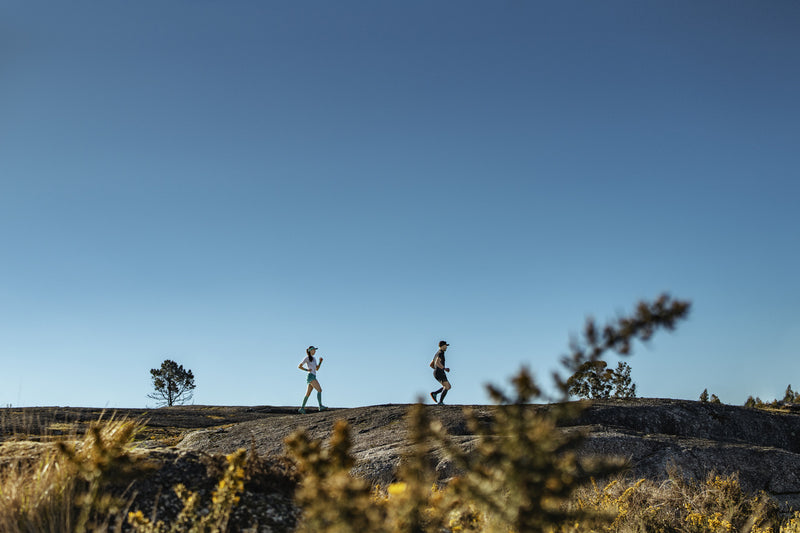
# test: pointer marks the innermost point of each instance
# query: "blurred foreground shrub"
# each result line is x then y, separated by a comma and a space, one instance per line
74, 487
61, 491
193, 518
519, 478
678, 504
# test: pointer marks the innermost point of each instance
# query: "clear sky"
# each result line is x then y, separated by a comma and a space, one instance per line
225, 183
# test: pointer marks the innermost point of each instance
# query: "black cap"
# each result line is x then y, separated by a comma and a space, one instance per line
313, 348
443, 343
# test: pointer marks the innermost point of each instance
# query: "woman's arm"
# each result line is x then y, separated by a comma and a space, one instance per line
301, 367
320, 363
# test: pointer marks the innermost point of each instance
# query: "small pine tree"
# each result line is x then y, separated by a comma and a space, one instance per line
704, 396
715, 399
621, 378
790, 396
173, 384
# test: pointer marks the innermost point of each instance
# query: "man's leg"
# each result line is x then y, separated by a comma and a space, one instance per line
435, 393
446, 387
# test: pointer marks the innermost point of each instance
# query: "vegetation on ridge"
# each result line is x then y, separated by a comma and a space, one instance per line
524, 475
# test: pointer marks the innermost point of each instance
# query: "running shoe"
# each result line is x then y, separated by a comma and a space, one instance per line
301, 411
433, 395
322, 408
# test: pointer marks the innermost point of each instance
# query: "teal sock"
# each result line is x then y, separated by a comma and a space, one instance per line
319, 398
305, 400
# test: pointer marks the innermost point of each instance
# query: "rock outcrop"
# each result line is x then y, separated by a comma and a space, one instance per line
378, 434
654, 435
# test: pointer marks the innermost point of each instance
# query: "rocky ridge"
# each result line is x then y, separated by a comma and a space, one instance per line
654, 435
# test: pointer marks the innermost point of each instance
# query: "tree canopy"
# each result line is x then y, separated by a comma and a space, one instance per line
173, 384
594, 379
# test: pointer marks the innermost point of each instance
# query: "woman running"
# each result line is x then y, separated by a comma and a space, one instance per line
311, 367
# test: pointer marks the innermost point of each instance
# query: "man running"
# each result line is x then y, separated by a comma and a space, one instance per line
439, 375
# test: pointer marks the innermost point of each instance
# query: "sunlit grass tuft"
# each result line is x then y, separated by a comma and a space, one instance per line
58, 487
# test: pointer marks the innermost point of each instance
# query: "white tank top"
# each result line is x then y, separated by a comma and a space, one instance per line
311, 364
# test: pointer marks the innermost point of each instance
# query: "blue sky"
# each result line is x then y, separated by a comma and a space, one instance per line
225, 183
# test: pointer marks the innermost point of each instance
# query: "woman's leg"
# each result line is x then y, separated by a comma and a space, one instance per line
308, 393
318, 388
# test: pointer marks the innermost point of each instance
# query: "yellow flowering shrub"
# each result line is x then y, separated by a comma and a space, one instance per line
792, 525
191, 519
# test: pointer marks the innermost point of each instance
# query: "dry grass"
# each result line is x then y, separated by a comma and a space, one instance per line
55, 487
715, 504
77, 485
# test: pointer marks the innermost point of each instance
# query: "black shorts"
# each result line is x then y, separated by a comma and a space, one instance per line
439, 375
